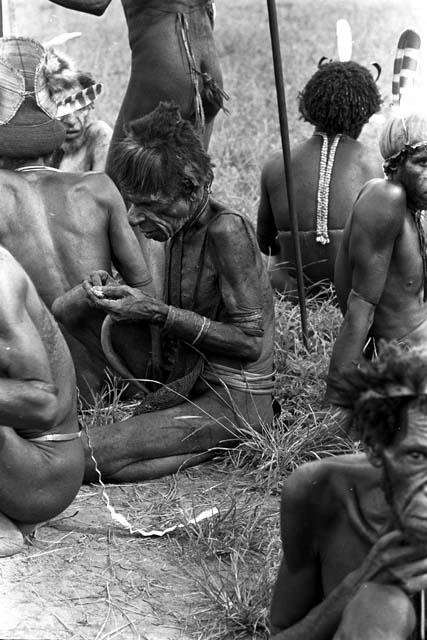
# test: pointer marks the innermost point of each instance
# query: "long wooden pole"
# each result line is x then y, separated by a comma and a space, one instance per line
284, 133
1, 18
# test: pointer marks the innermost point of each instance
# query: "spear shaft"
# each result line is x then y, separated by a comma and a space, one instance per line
284, 133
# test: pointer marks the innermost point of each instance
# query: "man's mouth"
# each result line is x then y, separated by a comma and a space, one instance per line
71, 134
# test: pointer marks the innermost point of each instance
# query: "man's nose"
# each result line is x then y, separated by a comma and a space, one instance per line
135, 217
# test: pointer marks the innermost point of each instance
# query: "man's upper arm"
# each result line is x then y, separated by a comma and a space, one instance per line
22, 352
298, 585
95, 7
376, 223
99, 138
233, 247
125, 249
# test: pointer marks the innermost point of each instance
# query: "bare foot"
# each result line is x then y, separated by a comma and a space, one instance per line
11, 538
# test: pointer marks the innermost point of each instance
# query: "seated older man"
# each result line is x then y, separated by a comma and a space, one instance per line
214, 369
354, 527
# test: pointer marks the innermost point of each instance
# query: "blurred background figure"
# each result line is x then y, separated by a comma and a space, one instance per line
87, 138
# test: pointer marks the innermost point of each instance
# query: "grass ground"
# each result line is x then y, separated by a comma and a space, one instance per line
227, 566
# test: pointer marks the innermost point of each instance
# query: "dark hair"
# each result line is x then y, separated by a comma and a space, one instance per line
340, 98
162, 152
378, 392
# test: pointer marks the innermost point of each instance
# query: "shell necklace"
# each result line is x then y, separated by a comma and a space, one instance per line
327, 158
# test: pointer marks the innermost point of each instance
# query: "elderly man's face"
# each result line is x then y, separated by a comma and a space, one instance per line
405, 468
159, 217
413, 176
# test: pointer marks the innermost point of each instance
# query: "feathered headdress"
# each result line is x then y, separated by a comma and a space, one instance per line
406, 129
405, 67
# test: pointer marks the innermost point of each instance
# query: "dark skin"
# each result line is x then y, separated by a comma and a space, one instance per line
379, 260
353, 167
154, 444
61, 227
343, 540
37, 397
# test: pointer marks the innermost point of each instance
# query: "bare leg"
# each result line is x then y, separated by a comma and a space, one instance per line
11, 538
377, 612
37, 481
154, 444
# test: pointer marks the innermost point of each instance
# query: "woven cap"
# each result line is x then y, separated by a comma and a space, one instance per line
28, 127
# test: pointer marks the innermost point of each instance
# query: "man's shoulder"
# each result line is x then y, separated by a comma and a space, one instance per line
224, 220
98, 130
382, 192
380, 206
319, 485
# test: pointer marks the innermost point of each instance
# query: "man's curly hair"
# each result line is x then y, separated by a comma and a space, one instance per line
162, 152
378, 392
340, 98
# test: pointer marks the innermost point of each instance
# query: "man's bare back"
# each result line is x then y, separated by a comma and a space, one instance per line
62, 227
329, 169
353, 167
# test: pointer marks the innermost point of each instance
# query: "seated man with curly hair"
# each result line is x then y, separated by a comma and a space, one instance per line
354, 527
329, 170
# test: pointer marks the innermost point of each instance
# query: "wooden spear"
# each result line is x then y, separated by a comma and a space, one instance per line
284, 133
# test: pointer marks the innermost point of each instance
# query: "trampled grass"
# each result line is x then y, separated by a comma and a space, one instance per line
233, 558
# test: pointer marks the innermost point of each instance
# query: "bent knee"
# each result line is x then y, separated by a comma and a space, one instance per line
377, 612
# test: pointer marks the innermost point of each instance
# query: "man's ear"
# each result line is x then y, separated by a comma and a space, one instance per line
373, 453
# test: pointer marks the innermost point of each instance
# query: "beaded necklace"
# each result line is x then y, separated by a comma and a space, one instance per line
327, 158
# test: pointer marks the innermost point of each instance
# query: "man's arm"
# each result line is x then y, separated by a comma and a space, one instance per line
233, 248
95, 7
266, 225
298, 611
28, 397
126, 252
99, 138
376, 222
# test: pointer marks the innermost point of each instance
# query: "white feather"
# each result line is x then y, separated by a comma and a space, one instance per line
57, 41
344, 40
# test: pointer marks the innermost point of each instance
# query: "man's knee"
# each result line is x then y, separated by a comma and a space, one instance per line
377, 612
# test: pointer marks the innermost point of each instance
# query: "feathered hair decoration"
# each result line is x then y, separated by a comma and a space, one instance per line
61, 39
405, 67
344, 40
